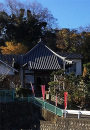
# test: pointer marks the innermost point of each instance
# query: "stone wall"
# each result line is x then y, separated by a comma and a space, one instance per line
23, 115
54, 122
65, 124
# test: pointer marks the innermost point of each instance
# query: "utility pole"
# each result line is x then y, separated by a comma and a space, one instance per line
64, 73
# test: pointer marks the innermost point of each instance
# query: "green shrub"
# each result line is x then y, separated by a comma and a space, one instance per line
23, 91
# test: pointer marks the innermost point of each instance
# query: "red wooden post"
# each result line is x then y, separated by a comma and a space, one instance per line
32, 89
65, 100
43, 91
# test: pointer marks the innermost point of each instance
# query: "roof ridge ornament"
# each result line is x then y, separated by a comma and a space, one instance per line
41, 42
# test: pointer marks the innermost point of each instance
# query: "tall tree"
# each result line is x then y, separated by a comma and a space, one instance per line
68, 40
85, 46
63, 39
26, 24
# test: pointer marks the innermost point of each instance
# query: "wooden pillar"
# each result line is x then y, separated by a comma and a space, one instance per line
22, 71
35, 83
22, 77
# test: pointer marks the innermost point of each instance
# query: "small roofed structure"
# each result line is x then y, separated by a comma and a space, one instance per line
6, 71
4, 66
41, 62
36, 65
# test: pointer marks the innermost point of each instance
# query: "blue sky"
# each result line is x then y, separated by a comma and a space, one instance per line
69, 13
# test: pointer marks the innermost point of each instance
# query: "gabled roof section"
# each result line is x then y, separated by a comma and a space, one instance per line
8, 66
42, 57
70, 55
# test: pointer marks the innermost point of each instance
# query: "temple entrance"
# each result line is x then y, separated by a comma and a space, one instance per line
41, 80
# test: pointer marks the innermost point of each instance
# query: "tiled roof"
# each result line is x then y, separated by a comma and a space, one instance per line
41, 57
71, 55
9, 66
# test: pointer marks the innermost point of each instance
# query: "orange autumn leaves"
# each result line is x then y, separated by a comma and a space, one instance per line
12, 48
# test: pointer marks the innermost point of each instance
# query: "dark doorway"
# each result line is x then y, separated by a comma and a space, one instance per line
42, 80
39, 83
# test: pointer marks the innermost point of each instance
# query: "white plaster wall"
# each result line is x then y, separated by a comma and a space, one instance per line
78, 66
78, 63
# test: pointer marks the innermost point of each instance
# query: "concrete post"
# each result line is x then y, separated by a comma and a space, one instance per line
65, 113
64, 73
79, 115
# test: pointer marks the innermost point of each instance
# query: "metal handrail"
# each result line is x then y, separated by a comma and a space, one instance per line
46, 106
7, 96
77, 112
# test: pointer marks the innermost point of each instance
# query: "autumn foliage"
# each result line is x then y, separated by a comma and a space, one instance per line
84, 71
12, 48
